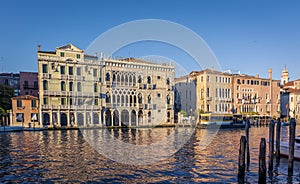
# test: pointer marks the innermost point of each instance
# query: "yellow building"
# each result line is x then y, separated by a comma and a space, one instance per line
76, 89
204, 91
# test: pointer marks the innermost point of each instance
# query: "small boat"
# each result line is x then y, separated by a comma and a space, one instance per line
284, 149
11, 128
214, 120
285, 123
34, 129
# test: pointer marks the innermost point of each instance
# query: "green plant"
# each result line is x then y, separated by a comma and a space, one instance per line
182, 112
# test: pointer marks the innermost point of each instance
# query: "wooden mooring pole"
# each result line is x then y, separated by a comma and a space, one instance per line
262, 162
247, 127
291, 146
241, 170
278, 128
271, 146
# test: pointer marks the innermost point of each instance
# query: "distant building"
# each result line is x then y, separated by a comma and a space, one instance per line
255, 95
222, 92
12, 80
204, 91
290, 100
76, 89
25, 111
284, 76
29, 83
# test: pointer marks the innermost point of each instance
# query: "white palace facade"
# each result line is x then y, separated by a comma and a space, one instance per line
79, 90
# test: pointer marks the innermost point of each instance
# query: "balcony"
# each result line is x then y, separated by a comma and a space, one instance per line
46, 106
169, 106
63, 77
141, 106
32, 87
108, 105
46, 76
208, 98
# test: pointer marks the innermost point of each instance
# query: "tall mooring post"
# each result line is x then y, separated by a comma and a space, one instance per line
262, 175
271, 147
278, 128
292, 135
241, 169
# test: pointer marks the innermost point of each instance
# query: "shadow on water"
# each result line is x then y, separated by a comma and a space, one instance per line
65, 156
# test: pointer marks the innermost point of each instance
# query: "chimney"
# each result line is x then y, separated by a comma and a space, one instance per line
270, 73
39, 48
256, 76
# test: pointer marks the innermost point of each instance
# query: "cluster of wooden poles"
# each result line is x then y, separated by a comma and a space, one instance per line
262, 172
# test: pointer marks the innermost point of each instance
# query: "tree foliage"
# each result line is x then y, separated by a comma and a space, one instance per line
6, 93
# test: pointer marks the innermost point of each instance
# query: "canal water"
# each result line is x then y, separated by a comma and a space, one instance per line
65, 156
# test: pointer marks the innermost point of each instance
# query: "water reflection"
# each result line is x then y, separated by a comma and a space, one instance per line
65, 156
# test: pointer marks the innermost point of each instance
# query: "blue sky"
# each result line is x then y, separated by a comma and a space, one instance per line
250, 36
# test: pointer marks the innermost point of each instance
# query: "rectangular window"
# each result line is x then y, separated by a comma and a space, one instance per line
96, 102
62, 54
78, 56
36, 84
95, 72
243, 81
71, 101
25, 84
34, 116
70, 70
62, 70
19, 103
80, 102
216, 92
95, 87
45, 101
207, 92
20, 117
207, 78
45, 68
71, 86
78, 71
216, 79
63, 101
63, 86
33, 103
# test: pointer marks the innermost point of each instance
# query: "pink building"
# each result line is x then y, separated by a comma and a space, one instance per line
29, 83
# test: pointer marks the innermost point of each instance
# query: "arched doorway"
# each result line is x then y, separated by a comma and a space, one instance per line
133, 118
108, 118
46, 119
116, 118
140, 117
95, 118
63, 119
125, 118
80, 119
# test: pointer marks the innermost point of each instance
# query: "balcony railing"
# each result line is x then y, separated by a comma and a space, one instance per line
46, 76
